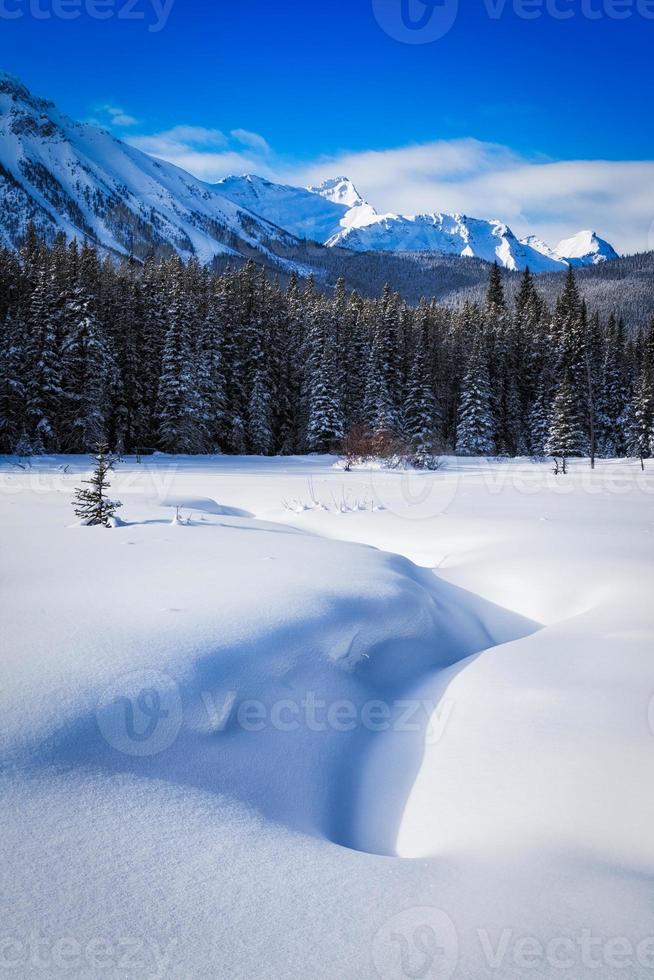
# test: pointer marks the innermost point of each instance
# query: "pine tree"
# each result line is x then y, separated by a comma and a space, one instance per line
92, 506
323, 388
567, 437
261, 437
538, 419
178, 402
642, 430
612, 395
380, 403
86, 369
210, 378
12, 382
23, 448
325, 426
641, 435
44, 395
420, 411
476, 425
495, 293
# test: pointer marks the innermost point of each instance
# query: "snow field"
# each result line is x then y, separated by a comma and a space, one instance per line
328, 742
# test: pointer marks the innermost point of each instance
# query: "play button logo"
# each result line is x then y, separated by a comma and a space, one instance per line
416, 21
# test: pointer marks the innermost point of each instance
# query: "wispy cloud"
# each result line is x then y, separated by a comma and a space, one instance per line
112, 115
549, 198
208, 153
254, 140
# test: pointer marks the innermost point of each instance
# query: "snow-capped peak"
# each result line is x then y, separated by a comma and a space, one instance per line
533, 241
18, 93
339, 190
77, 178
586, 248
80, 179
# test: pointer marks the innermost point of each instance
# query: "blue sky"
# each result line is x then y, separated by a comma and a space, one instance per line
324, 80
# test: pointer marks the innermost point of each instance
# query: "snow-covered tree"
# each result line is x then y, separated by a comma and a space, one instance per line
259, 413
641, 441
44, 394
474, 435
420, 409
567, 437
178, 399
93, 506
23, 448
87, 366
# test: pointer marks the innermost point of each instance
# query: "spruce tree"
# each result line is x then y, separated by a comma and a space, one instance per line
566, 437
420, 411
87, 366
12, 382
92, 506
259, 412
44, 394
476, 426
178, 399
641, 441
23, 448
495, 293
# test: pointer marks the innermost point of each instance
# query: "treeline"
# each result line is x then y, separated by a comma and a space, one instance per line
172, 357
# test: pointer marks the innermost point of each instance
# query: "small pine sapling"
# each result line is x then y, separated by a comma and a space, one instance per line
92, 506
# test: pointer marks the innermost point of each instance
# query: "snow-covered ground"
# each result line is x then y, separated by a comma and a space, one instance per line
328, 725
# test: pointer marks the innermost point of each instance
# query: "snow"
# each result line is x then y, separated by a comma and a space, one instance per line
340, 190
93, 171
78, 178
309, 833
586, 248
335, 214
300, 211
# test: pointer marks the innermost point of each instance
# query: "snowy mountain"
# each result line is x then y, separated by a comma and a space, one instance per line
79, 179
340, 190
300, 211
76, 178
314, 213
586, 248
336, 215
449, 234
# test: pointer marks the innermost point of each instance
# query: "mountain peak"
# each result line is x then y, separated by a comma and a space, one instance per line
10, 83
339, 190
12, 86
586, 248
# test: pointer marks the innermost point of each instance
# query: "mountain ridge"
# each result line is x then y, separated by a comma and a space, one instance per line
77, 178
68, 176
351, 222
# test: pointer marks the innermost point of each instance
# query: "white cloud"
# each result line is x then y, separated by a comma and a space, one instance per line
253, 140
112, 115
122, 119
552, 199
549, 198
207, 153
